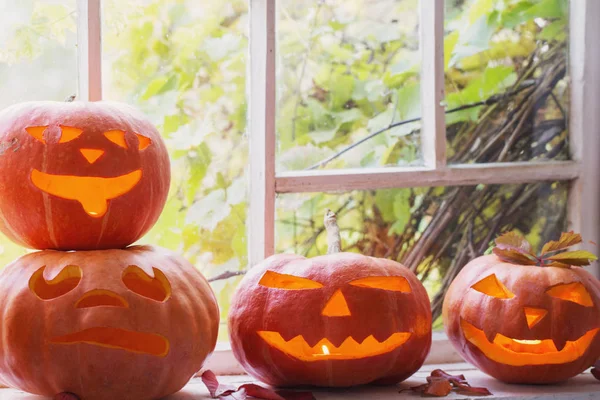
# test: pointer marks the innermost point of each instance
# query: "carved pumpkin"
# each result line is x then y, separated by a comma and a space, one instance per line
79, 175
525, 323
341, 319
105, 324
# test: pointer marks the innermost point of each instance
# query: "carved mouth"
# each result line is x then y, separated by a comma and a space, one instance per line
518, 352
91, 192
116, 338
350, 349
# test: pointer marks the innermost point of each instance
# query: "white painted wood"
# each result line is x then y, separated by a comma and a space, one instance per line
433, 122
460, 174
89, 50
584, 128
261, 235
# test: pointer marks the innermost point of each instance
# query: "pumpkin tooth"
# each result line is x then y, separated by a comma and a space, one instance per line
559, 344
297, 340
349, 346
370, 341
490, 335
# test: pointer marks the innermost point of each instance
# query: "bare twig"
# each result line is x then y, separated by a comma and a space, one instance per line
492, 100
226, 275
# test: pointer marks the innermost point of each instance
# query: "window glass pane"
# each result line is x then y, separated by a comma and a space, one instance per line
38, 61
184, 64
512, 54
434, 231
347, 69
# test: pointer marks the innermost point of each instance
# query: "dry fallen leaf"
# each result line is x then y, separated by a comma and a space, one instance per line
455, 379
437, 387
214, 387
230, 392
441, 384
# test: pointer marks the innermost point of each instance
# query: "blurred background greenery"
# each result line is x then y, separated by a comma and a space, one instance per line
346, 69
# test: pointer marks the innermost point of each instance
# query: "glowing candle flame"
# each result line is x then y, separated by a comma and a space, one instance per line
325, 350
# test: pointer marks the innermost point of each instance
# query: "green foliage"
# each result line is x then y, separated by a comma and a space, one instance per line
50, 22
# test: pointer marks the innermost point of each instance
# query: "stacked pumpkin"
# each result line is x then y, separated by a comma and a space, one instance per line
104, 321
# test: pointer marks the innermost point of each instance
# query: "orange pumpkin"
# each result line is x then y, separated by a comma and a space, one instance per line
525, 323
79, 175
336, 320
106, 324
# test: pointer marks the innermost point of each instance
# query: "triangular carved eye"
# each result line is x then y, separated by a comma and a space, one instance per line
491, 286
392, 283
276, 280
117, 137
143, 141
68, 133
37, 132
574, 292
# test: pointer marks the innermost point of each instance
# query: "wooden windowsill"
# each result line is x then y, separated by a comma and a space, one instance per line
582, 387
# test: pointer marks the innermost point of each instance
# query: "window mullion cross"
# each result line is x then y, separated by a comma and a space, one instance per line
89, 50
433, 124
261, 230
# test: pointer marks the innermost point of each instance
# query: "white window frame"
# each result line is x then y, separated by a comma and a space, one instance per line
584, 130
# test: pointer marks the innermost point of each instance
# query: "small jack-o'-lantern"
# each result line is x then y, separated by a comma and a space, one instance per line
79, 175
107, 324
526, 319
341, 319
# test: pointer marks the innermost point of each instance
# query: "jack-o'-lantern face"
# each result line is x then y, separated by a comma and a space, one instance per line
537, 351
336, 320
156, 288
90, 175
524, 323
92, 192
335, 307
95, 321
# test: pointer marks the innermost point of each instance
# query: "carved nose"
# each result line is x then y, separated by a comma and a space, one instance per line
336, 306
91, 155
534, 315
100, 298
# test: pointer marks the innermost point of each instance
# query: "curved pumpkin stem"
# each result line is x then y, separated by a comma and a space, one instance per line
334, 242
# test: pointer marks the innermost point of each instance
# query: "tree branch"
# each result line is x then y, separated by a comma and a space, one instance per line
492, 100
226, 275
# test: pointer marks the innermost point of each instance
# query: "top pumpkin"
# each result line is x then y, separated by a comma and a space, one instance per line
79, 176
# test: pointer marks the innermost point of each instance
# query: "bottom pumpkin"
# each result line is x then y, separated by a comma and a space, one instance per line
106, 324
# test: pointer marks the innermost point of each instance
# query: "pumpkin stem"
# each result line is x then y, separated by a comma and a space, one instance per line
71, 98
334, 242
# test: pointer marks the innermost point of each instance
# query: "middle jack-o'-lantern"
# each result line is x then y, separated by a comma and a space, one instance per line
79, 176
526, 319
341, 319
107, 324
